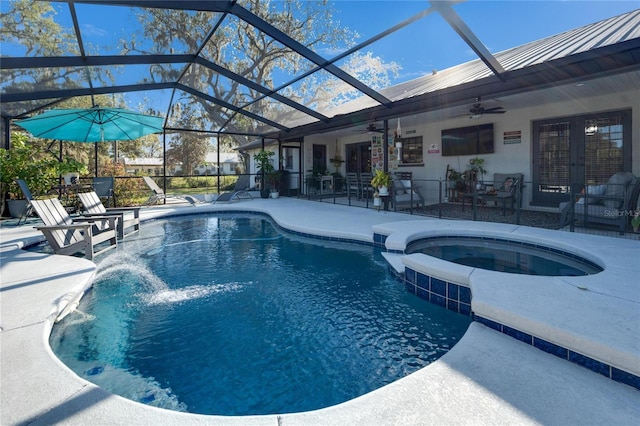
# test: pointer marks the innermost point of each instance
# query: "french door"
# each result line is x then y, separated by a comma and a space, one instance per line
358, 157
569, 153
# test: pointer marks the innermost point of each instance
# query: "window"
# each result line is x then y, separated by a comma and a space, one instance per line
288, 158
411, 150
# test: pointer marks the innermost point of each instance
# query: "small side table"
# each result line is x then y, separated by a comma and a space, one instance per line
384, 199
326, 185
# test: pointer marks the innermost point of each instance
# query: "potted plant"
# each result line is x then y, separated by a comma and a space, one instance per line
382, 181
263, 158
71, 170
476, 165
274, 179
453, 178
22, 162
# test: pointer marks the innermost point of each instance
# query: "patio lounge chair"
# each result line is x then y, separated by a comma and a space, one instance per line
68, 236
613, 203
240, 190
158, 194
404, 193
127, 216
507, 187
103, 186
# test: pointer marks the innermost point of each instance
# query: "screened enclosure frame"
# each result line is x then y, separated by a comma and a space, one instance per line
373, 105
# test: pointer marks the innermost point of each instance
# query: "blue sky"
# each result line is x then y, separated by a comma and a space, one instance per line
431, 44
420, 48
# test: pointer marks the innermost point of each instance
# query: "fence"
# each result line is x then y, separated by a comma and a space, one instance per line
490, 202
591, 212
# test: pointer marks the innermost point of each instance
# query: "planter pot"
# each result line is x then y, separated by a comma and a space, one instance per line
16, 207
71, 178
383, 190
376, 201
275, 194
264, 193
208, 198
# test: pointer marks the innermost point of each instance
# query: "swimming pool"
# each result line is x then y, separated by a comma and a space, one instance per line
229, 315
504, 256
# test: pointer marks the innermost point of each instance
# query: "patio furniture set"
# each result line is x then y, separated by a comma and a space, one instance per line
96, 230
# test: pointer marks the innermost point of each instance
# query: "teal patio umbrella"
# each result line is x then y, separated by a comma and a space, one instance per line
91, 124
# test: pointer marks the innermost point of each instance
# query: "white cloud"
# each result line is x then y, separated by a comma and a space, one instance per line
92, 30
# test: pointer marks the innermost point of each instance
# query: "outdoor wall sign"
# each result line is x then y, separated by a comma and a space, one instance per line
514, 136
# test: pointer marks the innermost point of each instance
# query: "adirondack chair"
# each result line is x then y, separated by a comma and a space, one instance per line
69, 236
128, 217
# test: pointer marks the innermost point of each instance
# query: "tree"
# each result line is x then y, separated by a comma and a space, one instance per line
241, 48
31, 25
236, 46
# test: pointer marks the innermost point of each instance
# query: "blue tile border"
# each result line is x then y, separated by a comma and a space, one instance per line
379, 240
451, 296
457, 298
594, 365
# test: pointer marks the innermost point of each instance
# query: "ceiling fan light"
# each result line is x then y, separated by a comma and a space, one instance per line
475, 116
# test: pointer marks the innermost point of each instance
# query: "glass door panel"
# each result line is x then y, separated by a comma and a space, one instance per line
569, 153
603, 151
553, 160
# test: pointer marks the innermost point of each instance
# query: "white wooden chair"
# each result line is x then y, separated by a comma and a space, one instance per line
68, 236
128, 217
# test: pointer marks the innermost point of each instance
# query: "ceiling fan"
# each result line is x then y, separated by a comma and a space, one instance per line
371, 128
477, 110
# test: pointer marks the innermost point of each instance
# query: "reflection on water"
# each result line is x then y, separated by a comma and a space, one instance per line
229, 316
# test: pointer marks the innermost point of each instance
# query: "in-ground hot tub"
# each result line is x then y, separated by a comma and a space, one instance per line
504, 256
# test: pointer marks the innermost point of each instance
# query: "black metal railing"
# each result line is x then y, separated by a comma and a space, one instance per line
485, 201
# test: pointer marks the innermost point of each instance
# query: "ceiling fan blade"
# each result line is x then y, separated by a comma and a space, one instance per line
494, 110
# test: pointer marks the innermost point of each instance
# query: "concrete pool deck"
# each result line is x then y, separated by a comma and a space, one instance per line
487, 378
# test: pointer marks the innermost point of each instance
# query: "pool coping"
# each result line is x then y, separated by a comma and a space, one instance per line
565, 324
38, 389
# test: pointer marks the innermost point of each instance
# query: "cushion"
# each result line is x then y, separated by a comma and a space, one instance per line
616, 187
507, 184
593, 190
407, 184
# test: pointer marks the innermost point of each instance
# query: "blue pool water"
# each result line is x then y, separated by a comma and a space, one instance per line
504, 256
228, 315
